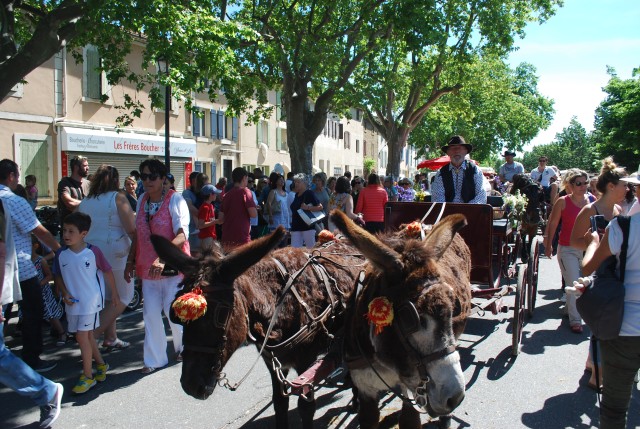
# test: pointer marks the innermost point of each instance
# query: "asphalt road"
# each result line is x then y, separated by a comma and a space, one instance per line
544, 387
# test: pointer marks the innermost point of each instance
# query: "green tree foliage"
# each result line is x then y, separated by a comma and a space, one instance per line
572, 148
431, 54
189, 34
310, 51
617, 121
500, 108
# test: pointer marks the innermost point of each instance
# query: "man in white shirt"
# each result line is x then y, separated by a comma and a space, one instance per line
543, 175
23, 224
460, 181
510, 168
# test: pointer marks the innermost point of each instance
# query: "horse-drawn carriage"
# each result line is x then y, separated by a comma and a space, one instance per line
495, 246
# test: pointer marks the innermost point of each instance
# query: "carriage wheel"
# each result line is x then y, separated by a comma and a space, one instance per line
518, 309
532, 274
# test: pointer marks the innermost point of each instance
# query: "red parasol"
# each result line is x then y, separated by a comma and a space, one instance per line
437, 163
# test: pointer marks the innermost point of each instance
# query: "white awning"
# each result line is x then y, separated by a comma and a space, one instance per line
86, 140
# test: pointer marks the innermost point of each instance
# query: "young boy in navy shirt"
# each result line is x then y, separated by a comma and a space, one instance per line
80, 272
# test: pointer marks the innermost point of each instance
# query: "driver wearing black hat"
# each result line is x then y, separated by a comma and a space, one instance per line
510, 168
460, 181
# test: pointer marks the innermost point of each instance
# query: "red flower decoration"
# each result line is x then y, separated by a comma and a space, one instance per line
414, 229
190, 306
380, 313
325, 236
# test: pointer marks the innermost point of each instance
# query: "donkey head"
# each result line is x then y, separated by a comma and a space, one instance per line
427, 284
210, 340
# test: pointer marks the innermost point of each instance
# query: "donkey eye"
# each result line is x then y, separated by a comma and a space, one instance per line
457, 309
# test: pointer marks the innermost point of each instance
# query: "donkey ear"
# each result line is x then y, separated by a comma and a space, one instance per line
382, 256
442, 234
172, 255
244, 257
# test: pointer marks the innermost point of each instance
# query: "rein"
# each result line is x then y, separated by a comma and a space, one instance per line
315, 323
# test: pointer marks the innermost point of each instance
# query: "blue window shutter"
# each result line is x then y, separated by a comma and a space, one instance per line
234, 126
196, 124
220, 124
214, 124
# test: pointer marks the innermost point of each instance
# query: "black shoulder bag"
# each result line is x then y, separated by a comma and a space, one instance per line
602, 303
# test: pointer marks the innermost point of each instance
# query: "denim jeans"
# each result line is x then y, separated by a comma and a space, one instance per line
620, 363
32, 313
570, 259
19, 376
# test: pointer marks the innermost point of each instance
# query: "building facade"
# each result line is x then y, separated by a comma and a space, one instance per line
61, 112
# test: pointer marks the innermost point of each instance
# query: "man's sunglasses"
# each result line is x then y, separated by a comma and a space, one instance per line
151, 176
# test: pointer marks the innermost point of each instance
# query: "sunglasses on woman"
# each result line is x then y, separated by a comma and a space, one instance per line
151, 176
579, 183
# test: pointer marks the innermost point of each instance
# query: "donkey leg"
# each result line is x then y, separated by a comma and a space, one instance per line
409, 417
307, 409
280, 402
368, 414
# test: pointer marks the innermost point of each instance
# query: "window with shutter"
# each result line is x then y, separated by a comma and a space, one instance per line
221, 124
214, 124
197, 124
234, 129
92, 73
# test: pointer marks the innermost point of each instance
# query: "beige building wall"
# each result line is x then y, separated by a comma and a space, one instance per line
34, 118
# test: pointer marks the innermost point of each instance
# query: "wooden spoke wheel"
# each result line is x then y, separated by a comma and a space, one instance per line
532, 274
519, 309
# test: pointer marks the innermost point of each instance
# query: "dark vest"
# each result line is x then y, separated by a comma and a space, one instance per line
468, 183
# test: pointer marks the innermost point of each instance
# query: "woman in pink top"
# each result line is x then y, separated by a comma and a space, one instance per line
371, 204
162, 212
569, 258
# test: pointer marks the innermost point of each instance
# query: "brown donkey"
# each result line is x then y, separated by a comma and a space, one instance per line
415, 298
245, 293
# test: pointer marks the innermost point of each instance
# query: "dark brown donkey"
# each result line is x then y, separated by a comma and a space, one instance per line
243, 290
410, 350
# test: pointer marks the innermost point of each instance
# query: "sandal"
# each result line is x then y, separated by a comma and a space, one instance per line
117, 344
147, 370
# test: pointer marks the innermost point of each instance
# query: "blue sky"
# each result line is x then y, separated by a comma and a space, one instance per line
571, 52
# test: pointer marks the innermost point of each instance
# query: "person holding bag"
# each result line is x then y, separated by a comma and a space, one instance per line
620, 355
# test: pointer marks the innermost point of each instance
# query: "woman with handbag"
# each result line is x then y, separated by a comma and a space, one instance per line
566, 209
165, 213
612, 189
621, 355
276, 205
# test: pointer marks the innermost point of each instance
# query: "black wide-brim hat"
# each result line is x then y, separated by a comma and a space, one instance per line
455, 141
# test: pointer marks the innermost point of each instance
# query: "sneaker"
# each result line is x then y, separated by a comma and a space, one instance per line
50, 412
101, 372
564, 298
84, 384
43, 365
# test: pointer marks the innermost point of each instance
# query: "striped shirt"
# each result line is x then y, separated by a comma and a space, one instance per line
371, 203
23, 221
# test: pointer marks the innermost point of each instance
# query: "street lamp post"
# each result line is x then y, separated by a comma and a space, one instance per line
163, 66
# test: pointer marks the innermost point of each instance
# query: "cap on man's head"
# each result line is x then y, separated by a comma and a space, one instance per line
209, 189
508, 153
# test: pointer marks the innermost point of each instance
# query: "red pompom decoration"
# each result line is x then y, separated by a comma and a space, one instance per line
380, 313
190, 306
325, 236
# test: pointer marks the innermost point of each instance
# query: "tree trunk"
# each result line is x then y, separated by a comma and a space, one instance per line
303, 125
